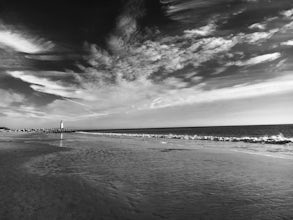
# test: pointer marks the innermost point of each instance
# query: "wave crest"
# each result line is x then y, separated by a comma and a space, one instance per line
274, 139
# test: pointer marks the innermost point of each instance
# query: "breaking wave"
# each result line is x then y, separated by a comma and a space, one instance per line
274, 139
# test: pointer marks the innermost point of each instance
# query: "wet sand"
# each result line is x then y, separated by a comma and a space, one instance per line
28, 196
134, 178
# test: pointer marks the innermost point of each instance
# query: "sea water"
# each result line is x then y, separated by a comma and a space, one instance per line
270, 134
224, 131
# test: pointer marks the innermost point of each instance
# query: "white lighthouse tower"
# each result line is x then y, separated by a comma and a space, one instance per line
61, 125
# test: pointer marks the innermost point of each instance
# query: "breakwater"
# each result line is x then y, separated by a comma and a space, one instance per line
43, 130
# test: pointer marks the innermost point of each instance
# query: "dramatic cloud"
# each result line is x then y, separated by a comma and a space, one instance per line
184, 53
165, 55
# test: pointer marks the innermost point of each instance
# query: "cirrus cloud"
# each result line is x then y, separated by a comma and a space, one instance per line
259, 59
21, 42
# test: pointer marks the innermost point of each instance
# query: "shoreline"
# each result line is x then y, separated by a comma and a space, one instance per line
274, 139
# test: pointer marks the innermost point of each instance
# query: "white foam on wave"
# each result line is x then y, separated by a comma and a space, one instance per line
275, 139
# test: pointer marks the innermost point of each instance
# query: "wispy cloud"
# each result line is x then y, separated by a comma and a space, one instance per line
257, 26
202, 31
21, 42
258, 59
8, 98
287, 13
199, 95
12, 105
46, 85
71, 110
287, 43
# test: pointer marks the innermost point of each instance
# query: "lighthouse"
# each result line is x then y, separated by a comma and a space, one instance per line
61, 125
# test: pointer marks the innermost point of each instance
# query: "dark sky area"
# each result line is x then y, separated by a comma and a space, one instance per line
74, 22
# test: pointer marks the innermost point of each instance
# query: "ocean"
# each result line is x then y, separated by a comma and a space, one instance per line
271, 134
223, 131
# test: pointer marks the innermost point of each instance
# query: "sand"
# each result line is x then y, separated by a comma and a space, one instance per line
128, 178
27, 196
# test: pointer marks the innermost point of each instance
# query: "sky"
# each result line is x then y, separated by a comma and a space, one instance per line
145, 63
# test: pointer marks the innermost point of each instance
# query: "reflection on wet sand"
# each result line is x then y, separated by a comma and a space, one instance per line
61, 140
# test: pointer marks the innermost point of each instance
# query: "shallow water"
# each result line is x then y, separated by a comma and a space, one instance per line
177, 179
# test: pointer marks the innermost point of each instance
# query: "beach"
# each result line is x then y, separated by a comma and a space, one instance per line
86, 176
27, 196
